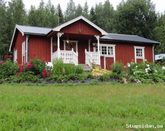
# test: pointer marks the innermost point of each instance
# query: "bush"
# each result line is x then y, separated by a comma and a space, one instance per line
37, 66
145, 72
27, 77
7, 69
59, 68
117, 68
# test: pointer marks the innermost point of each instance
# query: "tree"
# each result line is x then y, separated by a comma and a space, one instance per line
70, 11
44, 15
15, 14
160, 34
86, 10
136, 17
104, 15
60, 15
93, 15
3, 34
78, 11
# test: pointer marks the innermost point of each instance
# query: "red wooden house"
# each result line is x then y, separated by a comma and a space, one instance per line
77, 41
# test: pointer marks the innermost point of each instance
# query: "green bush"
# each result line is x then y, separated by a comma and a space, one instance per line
117, 68
8, 69
145, 73
27, 77
38, 66
59, 68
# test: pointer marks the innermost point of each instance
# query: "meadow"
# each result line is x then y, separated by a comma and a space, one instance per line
98, 106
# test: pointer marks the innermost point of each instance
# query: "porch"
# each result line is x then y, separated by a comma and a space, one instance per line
75, 49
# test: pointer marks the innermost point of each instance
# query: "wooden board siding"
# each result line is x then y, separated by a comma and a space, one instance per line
125, 53
39, 47
82, 45
19, 39
80, 27
148, 53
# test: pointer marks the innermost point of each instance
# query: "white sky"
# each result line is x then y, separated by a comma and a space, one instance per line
159, 4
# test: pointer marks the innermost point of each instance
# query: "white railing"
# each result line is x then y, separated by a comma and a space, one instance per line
66, 56
92, 58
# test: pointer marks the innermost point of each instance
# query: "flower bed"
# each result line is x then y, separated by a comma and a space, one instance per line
58, 72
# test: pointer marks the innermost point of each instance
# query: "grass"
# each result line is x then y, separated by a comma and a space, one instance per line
101, 106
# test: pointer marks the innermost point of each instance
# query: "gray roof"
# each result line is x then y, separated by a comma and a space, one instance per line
33, 30
128, 38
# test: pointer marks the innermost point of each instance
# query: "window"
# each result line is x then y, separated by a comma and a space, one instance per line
106, 50
139, 52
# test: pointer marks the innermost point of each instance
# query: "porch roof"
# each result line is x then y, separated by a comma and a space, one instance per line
127, 38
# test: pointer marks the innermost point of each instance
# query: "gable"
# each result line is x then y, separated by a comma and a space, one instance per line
80, 27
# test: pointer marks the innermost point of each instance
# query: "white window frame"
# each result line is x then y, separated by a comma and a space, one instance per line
139, 57
107, 46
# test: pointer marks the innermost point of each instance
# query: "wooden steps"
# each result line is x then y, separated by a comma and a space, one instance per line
86, 67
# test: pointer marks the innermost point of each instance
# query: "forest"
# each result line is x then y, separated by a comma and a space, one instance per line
137, 17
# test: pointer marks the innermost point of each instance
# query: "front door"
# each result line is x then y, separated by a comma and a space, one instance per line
69, 45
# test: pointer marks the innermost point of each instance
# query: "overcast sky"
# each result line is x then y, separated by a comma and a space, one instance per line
159, 4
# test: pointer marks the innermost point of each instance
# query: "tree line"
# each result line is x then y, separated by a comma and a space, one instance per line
130, 17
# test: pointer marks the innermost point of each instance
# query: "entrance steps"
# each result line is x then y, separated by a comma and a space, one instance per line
86, 67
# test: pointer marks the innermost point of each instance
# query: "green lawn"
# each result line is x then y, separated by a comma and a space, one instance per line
83, 107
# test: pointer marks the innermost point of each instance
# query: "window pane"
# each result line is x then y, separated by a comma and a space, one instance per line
139, 53
110, 50
104, 50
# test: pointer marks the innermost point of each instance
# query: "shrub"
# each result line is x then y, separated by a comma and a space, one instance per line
27, 77
117, 68
36, 65
8, 68
145, 72
58, 67
79, 69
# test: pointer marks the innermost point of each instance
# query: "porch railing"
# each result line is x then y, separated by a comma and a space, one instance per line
91, 58
66, 56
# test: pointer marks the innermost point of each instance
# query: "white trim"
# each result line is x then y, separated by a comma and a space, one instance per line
153, 53
51, 49
26, 48
89, 45
58, 28
143, 53
16, 27
23, 52
15, 56
107, 45
105, 62
71, 41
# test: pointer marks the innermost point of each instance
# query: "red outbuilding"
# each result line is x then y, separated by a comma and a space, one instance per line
79, 41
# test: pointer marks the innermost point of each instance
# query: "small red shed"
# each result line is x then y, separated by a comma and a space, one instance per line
79, 41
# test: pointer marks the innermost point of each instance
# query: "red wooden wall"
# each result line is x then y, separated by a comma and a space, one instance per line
39, 47
81, 27
19, 39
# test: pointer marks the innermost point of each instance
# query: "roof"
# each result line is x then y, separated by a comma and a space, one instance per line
128, 38
159, 56
58, 28
33, 30
30, 30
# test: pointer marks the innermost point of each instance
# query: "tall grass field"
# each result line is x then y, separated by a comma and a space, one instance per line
86, 107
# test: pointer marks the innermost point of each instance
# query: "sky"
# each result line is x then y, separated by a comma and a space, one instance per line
159, 4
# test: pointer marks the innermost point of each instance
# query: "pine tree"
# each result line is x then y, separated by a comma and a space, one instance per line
60, 15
